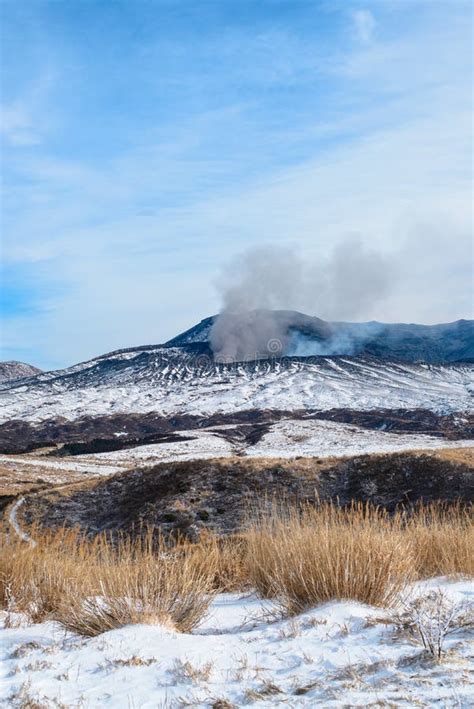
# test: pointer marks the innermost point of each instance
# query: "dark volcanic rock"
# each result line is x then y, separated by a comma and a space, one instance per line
307, 335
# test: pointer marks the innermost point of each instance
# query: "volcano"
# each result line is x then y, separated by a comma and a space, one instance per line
389, 377
301, 335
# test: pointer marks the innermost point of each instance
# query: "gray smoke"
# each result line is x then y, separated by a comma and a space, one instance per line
263, 287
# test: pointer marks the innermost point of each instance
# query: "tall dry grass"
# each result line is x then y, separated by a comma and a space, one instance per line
442, 540
91, 586
306, 556
34, 579
298, 557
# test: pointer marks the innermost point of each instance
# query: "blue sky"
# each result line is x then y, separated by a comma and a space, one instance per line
147, 142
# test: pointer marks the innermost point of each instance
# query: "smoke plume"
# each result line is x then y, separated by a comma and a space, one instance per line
263, 287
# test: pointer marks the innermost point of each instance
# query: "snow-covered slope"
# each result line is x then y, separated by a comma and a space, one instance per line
169, 380
285, 439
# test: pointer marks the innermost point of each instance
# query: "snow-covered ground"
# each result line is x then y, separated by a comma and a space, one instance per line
164, 382
285, 439
74, 464
338, 654
326, 438
13, 521
203, 444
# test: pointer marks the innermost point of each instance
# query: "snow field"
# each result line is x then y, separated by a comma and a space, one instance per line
285, 439
338, 654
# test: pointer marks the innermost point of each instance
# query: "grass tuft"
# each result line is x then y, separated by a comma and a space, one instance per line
309, 556
306, 556
93, 586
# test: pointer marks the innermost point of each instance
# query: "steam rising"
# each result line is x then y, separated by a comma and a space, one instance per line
263, 287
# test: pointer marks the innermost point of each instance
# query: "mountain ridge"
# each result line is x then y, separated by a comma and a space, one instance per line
196, 339
307, 335
182, 376
173, 379
12, 370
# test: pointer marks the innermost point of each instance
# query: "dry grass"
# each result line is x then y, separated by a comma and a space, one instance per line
187, 672
231, 570
442, 540
19, 476
34, 579
24, 699
297, 557
463, 455
306, 557
267, 689
133, 661
94, 586
173, 591
223, 704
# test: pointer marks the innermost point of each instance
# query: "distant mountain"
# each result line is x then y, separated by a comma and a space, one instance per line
12, 370
177, 380
324, 367
304, 336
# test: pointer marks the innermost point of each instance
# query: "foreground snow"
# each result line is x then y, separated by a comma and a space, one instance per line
339, 654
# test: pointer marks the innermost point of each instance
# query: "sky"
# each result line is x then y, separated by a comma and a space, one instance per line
147, 143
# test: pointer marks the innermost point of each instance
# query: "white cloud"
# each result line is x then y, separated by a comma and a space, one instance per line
133, 280
17, 126
364, 25
25, 119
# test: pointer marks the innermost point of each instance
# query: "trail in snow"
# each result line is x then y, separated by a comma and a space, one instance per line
13, 520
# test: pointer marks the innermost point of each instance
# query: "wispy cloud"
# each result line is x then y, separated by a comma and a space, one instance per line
364, 25
22, 118
17, 125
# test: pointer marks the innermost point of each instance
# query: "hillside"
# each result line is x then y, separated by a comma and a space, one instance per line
187, 497
146, 395
12, 370
175, 380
